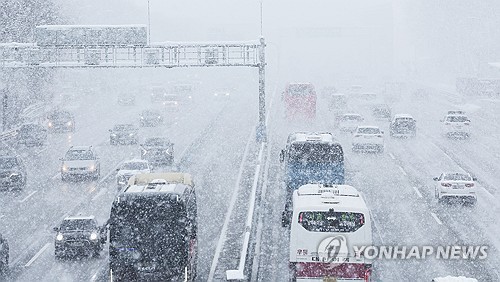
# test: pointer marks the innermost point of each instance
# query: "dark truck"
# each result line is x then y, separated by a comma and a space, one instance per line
158, 151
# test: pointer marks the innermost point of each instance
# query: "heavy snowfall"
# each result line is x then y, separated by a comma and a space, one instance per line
150, 140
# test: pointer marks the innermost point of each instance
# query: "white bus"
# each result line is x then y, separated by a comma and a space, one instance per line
326, 222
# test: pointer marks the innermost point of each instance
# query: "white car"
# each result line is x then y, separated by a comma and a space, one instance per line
349, 122
456, 125
455, 185
130, 168
368, 138
81, 162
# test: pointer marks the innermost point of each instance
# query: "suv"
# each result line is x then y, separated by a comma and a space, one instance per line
123, 134
456, 125
80, 161
77, 235
4, 255
129, 169
61, 121
12, 172
150, 118
403, 125
158, 150
31, 134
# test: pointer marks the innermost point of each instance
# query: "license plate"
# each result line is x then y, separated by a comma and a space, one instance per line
456, 187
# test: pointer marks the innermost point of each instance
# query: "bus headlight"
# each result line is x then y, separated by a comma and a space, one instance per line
93, 236
59, 237
92, 167
64, 168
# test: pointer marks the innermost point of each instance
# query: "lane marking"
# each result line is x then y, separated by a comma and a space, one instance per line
402, 171
37, 255
27, 197
223, 234
436, 218
392, 156
418, 192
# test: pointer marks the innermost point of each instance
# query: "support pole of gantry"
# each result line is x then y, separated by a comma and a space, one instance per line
261, 134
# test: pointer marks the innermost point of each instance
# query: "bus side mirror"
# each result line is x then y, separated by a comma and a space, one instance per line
282, 156
474, 178
286, 218
435, 178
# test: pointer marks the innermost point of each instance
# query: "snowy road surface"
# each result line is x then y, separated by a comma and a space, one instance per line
214, 142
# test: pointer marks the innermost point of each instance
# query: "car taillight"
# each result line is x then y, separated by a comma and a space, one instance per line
469, 185
446, 184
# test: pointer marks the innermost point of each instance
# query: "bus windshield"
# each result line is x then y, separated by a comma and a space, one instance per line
329, 221
299, 89
315, 153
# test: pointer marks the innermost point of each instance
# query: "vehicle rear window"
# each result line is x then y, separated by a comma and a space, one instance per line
457, 176
351, 118
456, 119
123, 127
330, 221
299, 89
368, 130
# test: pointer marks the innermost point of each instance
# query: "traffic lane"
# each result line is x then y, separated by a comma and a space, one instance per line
273, 256
102, 208
66, 204
480, 151
402, 218
475, 226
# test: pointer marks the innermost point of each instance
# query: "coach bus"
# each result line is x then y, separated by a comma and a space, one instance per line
152, 229
326, 222
311, 157
300, 100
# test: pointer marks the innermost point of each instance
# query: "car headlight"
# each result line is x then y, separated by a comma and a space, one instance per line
167, 151
142, 117
64, 168
159, 117
131, 134
68, 123
93, 236
175, 103
227, 94
215, 94
14, 174
189, 97
113, 135
59, 237
50, 124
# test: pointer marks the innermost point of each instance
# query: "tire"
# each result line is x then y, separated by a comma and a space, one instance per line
64, 178
112, 142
